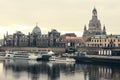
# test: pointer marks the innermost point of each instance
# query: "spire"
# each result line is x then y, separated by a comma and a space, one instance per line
85, 30
7, 33
4, 36
104, 30
94, 12
36, 24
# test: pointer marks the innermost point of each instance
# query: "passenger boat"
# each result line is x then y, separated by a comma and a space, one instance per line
9, 55
33, 56
45, 55
61, 59
51, 53
2, 55
48, 53
23, 56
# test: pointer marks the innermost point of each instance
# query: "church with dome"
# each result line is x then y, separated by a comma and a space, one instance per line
36, 31
33, 39
94, 27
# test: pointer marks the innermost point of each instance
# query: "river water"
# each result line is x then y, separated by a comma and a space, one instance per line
33, 70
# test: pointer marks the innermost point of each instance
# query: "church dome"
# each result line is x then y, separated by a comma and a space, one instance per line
54, 31
36, 30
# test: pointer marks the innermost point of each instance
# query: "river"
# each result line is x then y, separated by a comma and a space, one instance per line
34, 70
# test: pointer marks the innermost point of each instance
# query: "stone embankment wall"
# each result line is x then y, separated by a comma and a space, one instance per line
94, 51
89, 51
32, 49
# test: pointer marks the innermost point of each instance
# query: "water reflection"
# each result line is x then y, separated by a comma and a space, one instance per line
33, 70
101, 72
36, 70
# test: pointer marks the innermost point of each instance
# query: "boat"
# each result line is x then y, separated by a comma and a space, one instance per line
102, 56
61, 59
22, 56
81, 54
33, 56
51, 53
2, 55
48, 53
9, 55
45, 55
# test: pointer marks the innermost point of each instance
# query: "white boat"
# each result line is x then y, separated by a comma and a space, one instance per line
22, 56
51, 53
33, 56
9, 55
2, 55
61, 59
48, 53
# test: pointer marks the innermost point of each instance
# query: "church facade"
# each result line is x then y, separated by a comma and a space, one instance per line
94, 27
33, 39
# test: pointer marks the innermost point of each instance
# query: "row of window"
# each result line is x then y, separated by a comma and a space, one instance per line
102, 45
105, 40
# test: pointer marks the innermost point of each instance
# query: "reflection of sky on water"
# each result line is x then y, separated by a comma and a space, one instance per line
1, 68
33, 70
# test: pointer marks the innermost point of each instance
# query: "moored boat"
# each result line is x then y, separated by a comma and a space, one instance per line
61, 59
33, 56
21, 56
9, 55
2, 55
45, 55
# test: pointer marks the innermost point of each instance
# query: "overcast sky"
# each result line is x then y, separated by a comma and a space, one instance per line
63, 15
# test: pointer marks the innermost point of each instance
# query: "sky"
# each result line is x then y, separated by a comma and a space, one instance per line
63, 15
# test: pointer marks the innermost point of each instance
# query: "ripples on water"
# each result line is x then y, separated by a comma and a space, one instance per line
33, 70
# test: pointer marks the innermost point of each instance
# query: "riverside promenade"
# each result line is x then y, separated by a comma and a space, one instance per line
55, 49
89, 50
60, 50
98, 59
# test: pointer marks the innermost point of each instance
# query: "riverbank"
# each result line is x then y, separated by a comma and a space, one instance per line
57, 50
98, 59
90, 51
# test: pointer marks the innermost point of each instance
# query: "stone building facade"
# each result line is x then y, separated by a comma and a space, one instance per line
104, 41
37, 39
18, 39
52, 36
33, 39
68, 40
94, 27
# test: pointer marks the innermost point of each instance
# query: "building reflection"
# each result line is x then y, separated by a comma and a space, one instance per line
104, 72
98, 72
54, 71
36, 70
